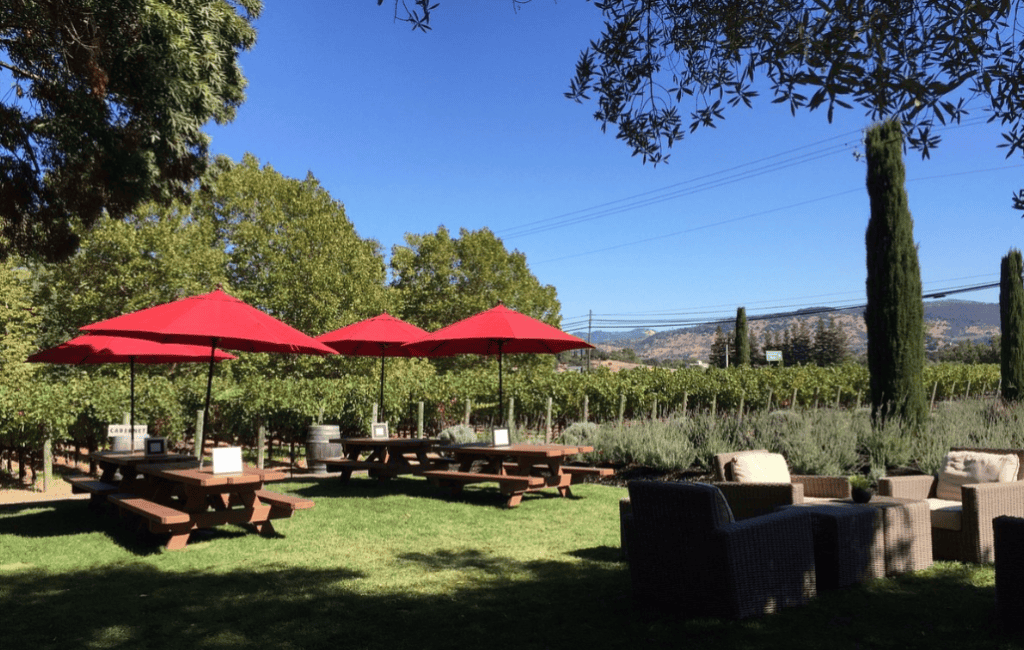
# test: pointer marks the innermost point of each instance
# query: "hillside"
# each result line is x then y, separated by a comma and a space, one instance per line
946, 321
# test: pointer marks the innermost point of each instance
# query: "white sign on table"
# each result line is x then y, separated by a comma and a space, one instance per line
499, 438
227, 460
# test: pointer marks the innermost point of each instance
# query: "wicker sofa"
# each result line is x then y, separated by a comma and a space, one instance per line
688, 557
755, 499
962, 528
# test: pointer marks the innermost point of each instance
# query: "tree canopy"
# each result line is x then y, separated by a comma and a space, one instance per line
291, 249
108, 102
441, 279
918, 62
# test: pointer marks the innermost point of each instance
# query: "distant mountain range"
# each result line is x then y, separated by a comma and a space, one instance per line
946, 321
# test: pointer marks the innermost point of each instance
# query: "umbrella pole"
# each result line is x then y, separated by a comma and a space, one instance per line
131, 396
206, 408
501, 395
380, 413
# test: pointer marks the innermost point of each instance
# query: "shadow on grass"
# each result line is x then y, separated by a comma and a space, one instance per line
492, 601
64, 518
600, 554
52, 519
481, 494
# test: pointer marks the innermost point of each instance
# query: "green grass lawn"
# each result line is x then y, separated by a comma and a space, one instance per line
398, 565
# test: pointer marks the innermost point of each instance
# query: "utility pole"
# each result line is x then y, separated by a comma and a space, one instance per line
590, 326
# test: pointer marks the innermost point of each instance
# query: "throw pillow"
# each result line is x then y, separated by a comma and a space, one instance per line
760, 468
969, 467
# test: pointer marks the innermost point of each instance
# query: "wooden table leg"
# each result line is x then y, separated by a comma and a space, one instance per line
264, 528
177, 541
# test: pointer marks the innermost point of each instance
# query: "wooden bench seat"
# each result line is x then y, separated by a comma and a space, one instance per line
575, 470
154, 512
451, 477
82, 484
349, 464
283, 502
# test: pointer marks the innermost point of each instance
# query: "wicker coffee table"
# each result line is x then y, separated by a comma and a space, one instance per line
901, 537
848, 545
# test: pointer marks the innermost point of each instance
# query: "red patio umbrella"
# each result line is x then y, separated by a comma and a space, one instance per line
498, 330
215, 319
382, 336
97, 349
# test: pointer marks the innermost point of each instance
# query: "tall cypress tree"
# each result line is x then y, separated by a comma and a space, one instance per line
895, 311
742, 338
1011, 320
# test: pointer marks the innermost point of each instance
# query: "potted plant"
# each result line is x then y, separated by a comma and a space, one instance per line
862, 488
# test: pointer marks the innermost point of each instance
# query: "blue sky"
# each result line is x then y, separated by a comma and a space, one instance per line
467, 127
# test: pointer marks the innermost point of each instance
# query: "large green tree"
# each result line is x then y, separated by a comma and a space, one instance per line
442, 279
104, 108
830, 345
155, 255
895, 312
1011, 320
292, 250
20, 319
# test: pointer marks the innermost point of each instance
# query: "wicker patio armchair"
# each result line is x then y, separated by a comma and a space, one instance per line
756, 499
688, 557
963, 532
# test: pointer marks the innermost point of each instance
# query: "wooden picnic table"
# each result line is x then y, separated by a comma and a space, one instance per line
176, 499
517, 468
125, 462
385, 458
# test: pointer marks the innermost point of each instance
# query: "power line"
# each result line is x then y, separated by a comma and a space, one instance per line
611, 323
710, 181
761, 214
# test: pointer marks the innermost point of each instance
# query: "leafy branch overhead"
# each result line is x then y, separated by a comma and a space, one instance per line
662, 68
921, 62
106, 107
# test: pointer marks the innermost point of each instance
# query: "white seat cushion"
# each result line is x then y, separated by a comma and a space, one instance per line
760, 468
969, 467
946, 514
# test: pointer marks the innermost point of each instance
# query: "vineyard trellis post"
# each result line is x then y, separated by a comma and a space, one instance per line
261, 443
199, 435
547, 422
511, 415
47, 461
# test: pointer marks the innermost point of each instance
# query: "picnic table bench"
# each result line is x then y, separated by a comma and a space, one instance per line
455, 480
573, 470
97, 490
162, 519
283, 505
176, 500
385, 458
517, 468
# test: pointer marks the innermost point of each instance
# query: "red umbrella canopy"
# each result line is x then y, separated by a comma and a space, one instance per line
382, 335
96, 349
499, 330
216, 319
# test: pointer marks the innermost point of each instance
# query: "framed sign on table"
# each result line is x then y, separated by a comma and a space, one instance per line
499, 438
